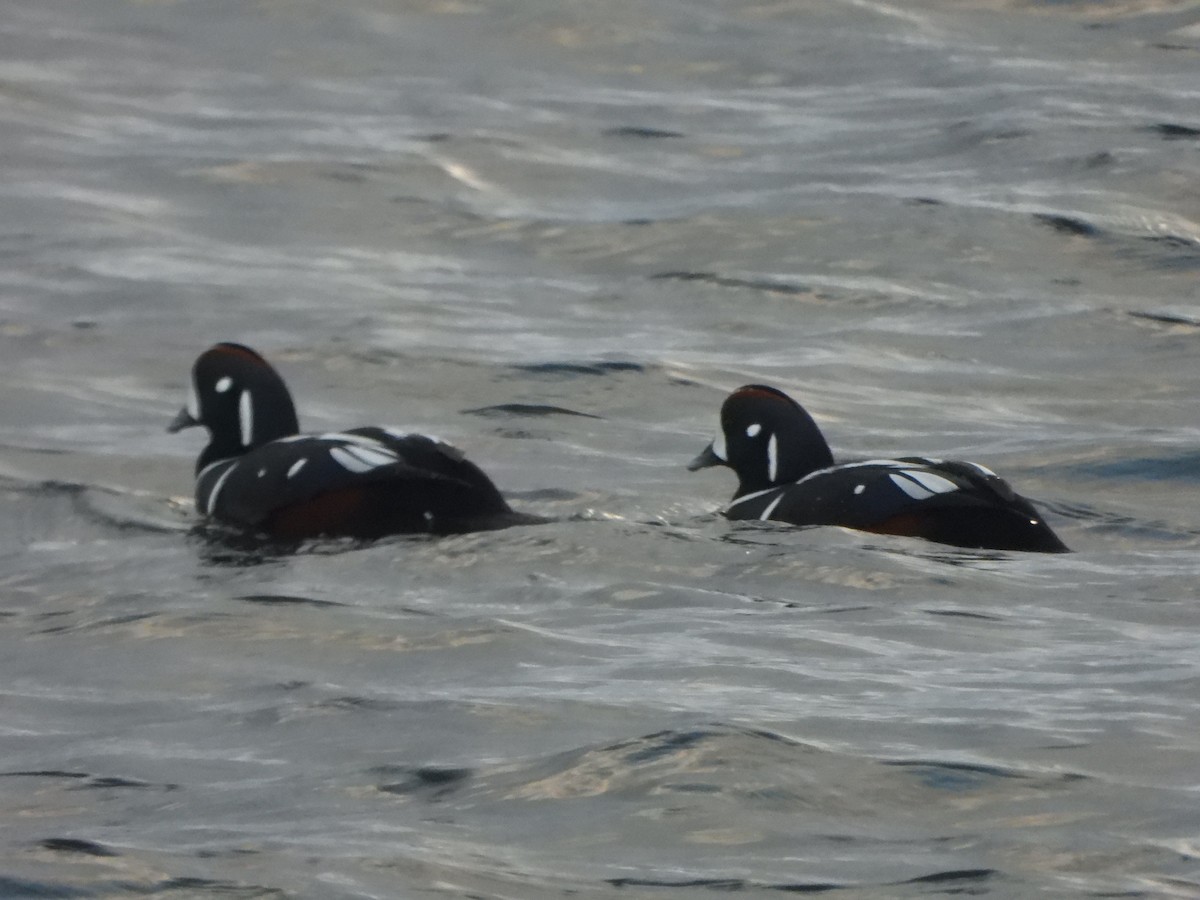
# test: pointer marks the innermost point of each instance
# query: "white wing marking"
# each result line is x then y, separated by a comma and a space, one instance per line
910, 487
921, 485
932, 482
360, 440
359, 459
750, 496
211, 500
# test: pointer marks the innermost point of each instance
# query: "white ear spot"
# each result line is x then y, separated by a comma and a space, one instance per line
246, 417
223, 384
859, 488
772, 459
296, 467
262, 472
753, 430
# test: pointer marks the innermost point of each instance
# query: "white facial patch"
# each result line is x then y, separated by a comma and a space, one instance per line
718, 448
246, 417
772, 459
753, 430
296, 467
921, 485
223, 384
193, 404
358, 459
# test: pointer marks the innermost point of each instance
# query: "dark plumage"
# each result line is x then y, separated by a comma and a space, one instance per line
786, 473
260, 473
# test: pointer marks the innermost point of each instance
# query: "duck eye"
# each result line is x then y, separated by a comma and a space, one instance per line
223, 384
753, 430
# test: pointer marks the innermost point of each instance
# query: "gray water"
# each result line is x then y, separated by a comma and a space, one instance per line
958, 229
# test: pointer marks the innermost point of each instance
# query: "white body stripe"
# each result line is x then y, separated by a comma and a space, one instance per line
296, 467
361, 459
211, 500
888, 463
766, 513
751, 496
772, 459
212, 465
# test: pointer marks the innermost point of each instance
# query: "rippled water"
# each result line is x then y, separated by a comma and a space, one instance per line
963, 229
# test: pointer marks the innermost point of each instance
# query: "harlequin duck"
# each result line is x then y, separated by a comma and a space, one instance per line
786, 473
259, 473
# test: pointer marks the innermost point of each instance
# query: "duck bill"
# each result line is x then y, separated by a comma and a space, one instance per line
182, 421
706, 459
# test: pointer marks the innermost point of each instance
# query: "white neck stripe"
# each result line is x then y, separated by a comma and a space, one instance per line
751, 496
246, 417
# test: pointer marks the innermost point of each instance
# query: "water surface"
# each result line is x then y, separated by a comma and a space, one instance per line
966, 230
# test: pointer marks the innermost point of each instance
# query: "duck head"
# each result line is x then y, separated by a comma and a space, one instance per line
240, 399
767, 438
